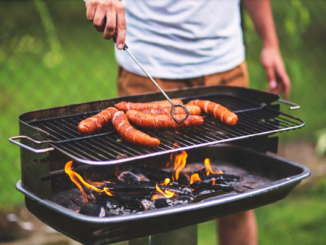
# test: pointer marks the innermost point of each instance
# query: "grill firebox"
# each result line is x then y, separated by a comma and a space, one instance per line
49, 139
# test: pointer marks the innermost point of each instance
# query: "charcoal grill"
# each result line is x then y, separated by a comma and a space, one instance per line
49, 138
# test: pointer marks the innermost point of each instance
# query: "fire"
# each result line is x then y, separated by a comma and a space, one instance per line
76, 178
194, 178
166, 193
179, 163
208, 166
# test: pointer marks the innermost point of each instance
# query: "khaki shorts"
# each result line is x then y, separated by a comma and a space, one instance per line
131, 84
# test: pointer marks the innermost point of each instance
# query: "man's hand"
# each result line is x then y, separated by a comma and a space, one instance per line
112, 12
278, 80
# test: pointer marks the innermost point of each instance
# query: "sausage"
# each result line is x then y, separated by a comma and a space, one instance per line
193, 109
127, 106
162, 121
217, 111
130, 134
96, 122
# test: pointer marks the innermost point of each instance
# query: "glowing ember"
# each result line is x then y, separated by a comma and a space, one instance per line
76, 178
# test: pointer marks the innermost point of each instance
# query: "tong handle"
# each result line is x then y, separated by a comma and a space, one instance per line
14, 138
156, 84
293, 105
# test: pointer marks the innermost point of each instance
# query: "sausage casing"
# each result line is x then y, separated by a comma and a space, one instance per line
127, 106
96, 122
130, 134
162, 121
217, 111
193, 109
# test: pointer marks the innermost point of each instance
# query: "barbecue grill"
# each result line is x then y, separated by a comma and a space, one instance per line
49, 138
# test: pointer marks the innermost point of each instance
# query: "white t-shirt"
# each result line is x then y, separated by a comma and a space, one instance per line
177, 39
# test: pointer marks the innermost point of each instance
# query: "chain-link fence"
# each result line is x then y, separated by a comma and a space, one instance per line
50, 55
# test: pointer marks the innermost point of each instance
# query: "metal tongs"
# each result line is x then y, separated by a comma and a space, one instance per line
172, 112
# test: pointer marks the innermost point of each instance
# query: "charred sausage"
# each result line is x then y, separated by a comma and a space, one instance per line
193, 109
127, 106
217, 111
96, 122
162, 121
130, 134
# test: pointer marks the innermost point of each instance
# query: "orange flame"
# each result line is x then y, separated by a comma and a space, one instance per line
194, 178
166, 193
179, 163
209, 170
76, 178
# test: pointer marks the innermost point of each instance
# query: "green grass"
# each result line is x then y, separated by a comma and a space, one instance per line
295, 220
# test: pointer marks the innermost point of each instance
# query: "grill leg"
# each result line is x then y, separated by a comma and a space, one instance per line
187, 235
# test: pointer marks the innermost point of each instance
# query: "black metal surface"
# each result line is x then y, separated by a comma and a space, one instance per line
283, 175
106, 147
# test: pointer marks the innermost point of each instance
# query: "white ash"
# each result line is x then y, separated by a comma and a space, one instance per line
148, 205
183, 200
114, 208
186, 191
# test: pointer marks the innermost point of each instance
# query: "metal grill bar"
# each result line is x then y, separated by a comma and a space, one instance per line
106, 147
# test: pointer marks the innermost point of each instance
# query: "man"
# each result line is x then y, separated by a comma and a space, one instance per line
184, 43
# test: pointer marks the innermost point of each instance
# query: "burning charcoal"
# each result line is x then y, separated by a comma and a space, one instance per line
160, 175
114, 207
222, 187
134, 205
182, 200
221, 177
148, 205
129, 177
202, 191
93, 210
153, 174
162, 203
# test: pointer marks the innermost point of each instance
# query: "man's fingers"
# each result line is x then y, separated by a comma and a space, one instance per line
121, 27
284, 80
90, 12
98, 21
110, 25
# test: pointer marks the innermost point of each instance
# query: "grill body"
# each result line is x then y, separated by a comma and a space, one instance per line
284, 176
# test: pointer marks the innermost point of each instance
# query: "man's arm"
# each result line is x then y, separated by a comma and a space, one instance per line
261, 14
114, 13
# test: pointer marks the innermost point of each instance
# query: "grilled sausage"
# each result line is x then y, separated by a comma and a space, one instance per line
193, 109
127, 106
96, 122
130, 134
162, 121
217, 111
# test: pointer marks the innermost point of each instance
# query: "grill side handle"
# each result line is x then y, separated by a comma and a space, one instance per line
14, 138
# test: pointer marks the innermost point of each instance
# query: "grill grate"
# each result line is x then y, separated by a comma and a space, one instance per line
106, 147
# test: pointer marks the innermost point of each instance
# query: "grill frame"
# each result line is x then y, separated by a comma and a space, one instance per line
112, 151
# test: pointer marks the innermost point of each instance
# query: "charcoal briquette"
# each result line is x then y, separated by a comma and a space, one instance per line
93, 210
129, 177
162, 203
